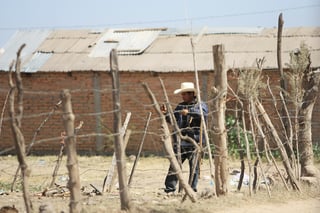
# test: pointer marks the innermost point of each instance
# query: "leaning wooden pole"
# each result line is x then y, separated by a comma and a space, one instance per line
218, 128
174, 125
294, 182
16, 128
71, 151
58, 163
203, 122
118, 139
284, 88
112, 174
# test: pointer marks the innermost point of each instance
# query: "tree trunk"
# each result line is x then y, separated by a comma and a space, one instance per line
305, 143
310, 85
219, 129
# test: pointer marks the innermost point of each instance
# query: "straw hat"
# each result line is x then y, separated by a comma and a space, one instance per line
185, 87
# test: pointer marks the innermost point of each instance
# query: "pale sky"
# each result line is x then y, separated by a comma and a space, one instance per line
92, 14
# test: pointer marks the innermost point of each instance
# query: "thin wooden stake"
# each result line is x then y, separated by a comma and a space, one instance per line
56, 168
203, 125
140, 148
62, 144
112, 174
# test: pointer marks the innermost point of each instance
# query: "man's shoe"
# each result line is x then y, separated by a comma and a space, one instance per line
167, 193
168, 190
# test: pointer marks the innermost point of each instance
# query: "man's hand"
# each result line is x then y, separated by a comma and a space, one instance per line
184, 111
163, 109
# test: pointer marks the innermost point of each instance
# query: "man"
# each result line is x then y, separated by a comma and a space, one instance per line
188, 117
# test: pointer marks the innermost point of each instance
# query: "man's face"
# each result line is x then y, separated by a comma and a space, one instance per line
187, 96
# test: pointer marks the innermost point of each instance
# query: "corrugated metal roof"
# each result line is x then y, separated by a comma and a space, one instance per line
75, 62
293, 32
84, 50
37, 60
127, 42
32, 39
170, 53
104, 45
212, 30
66, 41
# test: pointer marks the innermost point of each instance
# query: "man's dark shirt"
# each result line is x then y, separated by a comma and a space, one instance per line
190, 124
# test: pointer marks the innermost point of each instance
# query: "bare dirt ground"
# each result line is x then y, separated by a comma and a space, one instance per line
146, 189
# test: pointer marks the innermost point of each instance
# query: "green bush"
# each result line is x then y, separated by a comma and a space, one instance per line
316, 151
236, 138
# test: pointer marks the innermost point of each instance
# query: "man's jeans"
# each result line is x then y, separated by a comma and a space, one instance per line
187, 152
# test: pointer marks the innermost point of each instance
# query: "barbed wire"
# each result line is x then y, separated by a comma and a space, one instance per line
152, 133
82, 138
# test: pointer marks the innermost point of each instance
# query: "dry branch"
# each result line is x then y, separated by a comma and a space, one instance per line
140, 148
3, 109
16, 127
287, 129
56, 106
56, 168
259, 160
283, 153
62, 143
241, 152
33, 140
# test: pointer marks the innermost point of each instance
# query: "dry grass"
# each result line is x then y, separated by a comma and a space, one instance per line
146, 188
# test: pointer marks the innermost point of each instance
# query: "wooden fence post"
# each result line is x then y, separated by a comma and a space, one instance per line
72, 162
118, 139
16, 118
218, 128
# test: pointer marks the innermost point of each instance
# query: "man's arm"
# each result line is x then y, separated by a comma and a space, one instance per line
195, 111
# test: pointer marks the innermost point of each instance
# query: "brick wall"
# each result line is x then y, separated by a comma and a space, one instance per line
92, 93
88, 89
